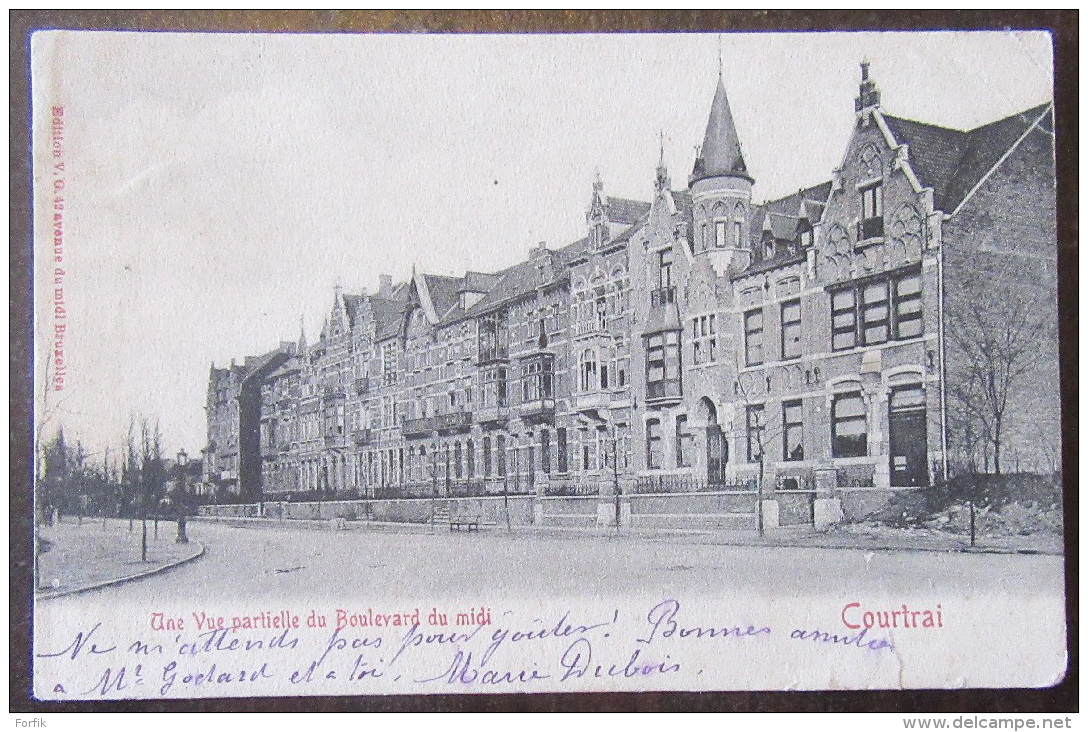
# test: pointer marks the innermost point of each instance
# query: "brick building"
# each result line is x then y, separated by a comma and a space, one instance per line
840, 339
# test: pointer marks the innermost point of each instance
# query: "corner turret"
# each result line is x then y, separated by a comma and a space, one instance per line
721, 191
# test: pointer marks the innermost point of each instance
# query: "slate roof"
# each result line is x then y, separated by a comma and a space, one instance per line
264, 363
785, 211
387, 315
479, 281
352, 304
720, 153
952, 162
625, 210
513, 281
445, 292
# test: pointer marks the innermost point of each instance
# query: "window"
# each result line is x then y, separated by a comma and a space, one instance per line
487, 457
848, 426
389, 364
561, 447
663, 365
719, 234
793, 441
843, 320
872, 212
470, 450
537, 380
806, 238
738, 239
493, 387
706, 236
875, 315
705, 339
654, 457
755, 429
753, 337
664, 268
588, 370
768, 246
500, 455
683, 442
877, 311
458, 456
791, 329
908, 306
493, 339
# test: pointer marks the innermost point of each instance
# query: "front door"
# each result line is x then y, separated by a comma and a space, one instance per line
717, 454
907, 437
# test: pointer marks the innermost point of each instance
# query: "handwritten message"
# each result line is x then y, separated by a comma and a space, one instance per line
366, 650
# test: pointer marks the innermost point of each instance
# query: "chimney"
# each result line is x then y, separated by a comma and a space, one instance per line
385, 284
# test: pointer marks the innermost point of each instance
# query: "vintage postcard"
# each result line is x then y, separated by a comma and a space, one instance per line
415, 364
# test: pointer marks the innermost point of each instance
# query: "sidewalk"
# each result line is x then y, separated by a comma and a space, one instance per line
846, 536
95, 554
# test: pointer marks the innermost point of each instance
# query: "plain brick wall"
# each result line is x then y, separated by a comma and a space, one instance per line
1003, 244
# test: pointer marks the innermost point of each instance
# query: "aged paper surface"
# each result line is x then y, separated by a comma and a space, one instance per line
625, 363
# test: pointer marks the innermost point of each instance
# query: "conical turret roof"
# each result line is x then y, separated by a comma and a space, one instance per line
720, 154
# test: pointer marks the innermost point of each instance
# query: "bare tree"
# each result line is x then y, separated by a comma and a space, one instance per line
1000, 341
757, 437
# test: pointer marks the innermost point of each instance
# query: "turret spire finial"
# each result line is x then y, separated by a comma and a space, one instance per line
868, 93
720, 72
662, 181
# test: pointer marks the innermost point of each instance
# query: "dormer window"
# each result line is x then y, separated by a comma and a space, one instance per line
598, 235
768, 246
805, 238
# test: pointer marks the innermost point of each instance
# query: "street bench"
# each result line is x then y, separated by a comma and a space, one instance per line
465, 524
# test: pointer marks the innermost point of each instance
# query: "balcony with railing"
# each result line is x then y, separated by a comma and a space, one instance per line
452, 421
590, 327
663, 296
593, 400
541, 407
664, 390
871, 228
495, 412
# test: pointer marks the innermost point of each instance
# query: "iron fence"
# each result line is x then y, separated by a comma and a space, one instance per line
691, 484
571, 488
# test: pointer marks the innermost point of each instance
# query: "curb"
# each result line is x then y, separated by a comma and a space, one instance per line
122, 580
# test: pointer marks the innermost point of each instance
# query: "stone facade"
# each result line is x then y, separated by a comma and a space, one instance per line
696, 341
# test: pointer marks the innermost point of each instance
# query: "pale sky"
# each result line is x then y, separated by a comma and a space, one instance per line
220, 185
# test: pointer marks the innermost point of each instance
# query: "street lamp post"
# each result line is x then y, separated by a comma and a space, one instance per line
182, 497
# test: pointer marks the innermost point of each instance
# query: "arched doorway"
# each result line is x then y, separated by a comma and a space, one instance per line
717, 447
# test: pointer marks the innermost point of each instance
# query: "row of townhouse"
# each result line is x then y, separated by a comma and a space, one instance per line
823, 341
